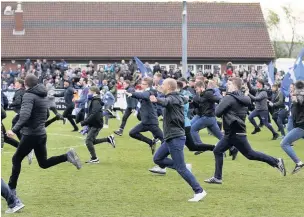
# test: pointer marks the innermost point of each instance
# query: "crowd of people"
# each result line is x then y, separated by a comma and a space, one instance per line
218, 102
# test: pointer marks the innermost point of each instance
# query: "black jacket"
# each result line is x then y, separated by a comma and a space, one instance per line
131, 102
174, 119
4, 100
94, 118
297, 109
205, 103
68, 95
17, 100
45, 67
148, 110
233, 109
33, 112
278, 101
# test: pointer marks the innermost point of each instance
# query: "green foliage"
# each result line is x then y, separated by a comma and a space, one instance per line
122, 186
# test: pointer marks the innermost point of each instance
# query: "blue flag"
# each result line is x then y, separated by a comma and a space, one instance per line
141, 67
298, 67
270, 73
285, 85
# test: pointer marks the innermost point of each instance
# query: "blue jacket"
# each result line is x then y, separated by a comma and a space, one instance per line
108, 99
186, 107
83, 98
148, 110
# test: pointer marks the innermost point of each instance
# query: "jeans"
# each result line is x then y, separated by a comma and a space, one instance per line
279, 118
8, 195
264, 116
175, 147
27, 143
153, 128
292, 136
125, 117
289, 124
242, 144
201, 122
196, 147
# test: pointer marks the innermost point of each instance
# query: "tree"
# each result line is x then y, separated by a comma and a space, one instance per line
273, 23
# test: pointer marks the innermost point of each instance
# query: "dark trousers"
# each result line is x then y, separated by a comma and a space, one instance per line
54, 110
125, 117
196, 147
135, 133
14, 122
264, 116
279, 118
68, 114
27, 144
242, 144
175, 148
91, 140
7, 139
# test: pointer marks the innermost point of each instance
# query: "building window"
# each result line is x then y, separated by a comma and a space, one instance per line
207, 69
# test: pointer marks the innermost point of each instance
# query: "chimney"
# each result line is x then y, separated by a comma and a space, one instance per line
19, 27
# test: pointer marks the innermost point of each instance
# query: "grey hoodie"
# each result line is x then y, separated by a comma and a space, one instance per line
33, 112
260, 100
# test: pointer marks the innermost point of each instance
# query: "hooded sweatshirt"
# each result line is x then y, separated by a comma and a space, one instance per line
233, 109
33, 112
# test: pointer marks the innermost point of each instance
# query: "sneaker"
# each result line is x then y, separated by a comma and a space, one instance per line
275, 136
105, 126
189, 167
198, 152
158, 170
213, 180
118, 132
297, 168
30, 157
92, 161
281, 167
198, 197
112, 141
256, 130
73, 158
16, 208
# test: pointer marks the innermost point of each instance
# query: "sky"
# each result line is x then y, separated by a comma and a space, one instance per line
276, 5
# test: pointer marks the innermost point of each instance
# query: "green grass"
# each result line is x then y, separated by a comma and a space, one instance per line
122, 186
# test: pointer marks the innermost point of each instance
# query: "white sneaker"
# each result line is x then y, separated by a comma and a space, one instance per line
189, 167
198, 197
30, 157
158, 170
16, 208
105, 126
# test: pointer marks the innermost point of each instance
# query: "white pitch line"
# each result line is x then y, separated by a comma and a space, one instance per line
55, 134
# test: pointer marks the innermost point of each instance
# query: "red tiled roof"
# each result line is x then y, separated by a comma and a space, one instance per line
104, 30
